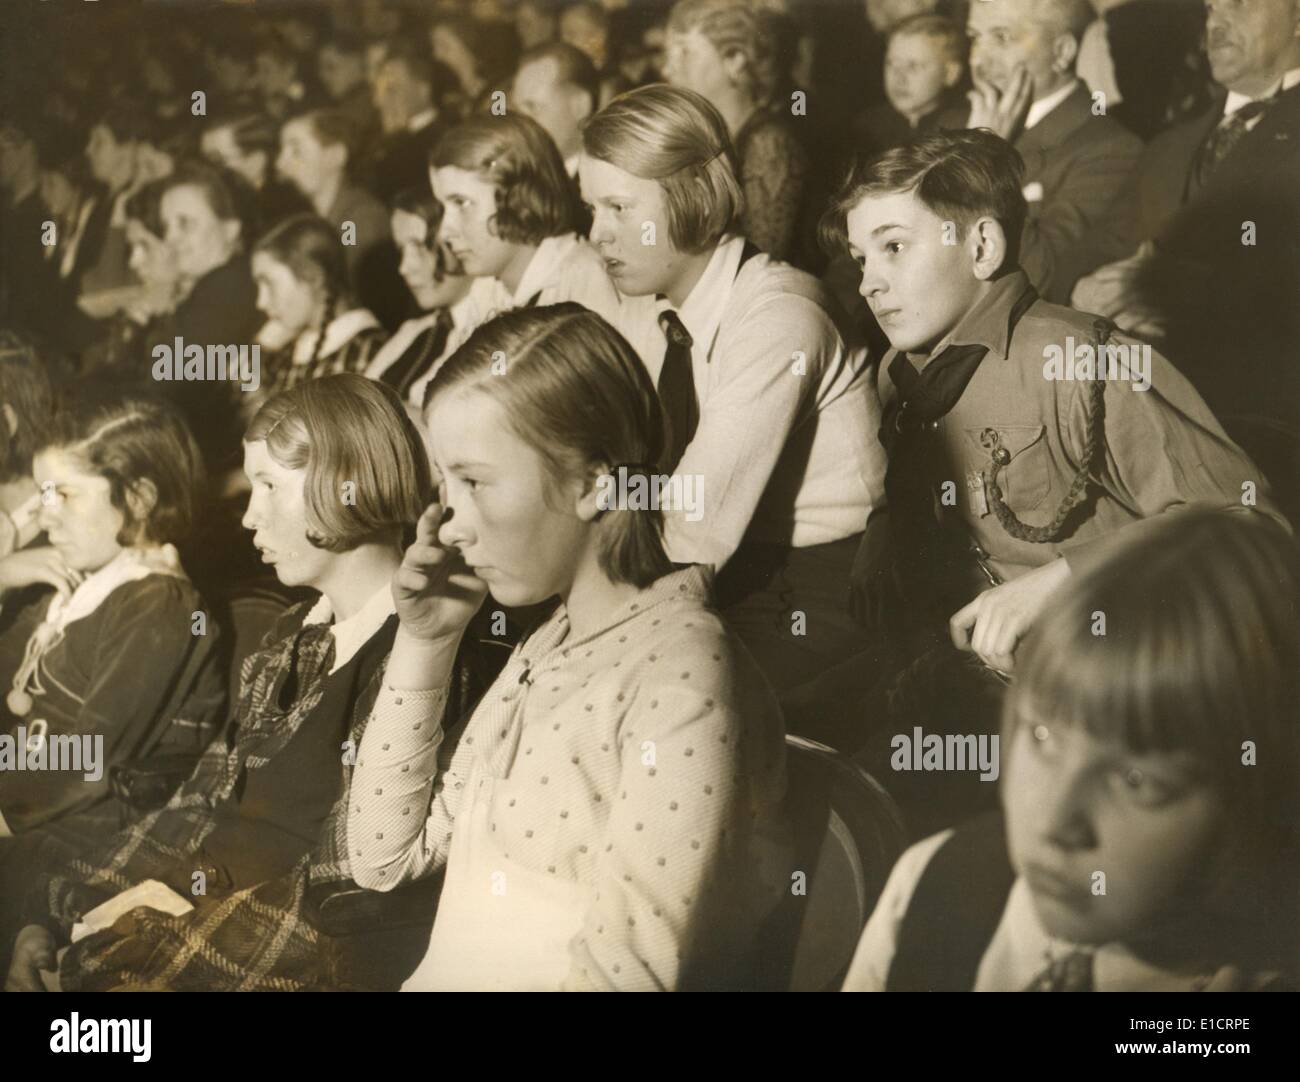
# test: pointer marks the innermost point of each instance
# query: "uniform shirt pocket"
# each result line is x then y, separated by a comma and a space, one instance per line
1026, 477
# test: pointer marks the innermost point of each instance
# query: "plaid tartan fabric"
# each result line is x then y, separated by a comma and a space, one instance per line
249, 939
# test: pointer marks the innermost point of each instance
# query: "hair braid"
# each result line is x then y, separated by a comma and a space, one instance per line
327, 317
1093, 440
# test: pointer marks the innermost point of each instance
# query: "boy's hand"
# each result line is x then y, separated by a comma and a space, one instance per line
33, 952
994, 623
435, 593
1003, 113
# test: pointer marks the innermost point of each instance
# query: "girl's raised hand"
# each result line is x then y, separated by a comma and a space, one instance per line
28, 566
435, 593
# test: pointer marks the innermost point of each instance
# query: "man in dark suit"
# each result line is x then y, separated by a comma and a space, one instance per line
404, 96
1077, 159
1206, 236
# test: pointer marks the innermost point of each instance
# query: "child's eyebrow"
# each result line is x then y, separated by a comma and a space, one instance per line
460, 467
885, 228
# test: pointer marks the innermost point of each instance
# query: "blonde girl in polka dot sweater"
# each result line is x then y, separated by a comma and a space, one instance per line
610, 815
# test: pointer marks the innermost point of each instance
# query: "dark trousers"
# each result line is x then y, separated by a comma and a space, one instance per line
790, 608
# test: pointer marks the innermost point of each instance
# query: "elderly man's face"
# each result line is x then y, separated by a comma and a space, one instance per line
1006, 34
1249, 39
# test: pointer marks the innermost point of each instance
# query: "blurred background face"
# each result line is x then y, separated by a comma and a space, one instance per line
277, 515
219, 147
622, 205
916, 75
152, 260
539, 94
1076, 805
524, 547
694, 64
58, 195
339, 72
200, 240
272, 75
397, 96
419, 266
1005, 34
283, 296
469, 208
1249, 39
533, 25
78, 516
304, 161
111, 162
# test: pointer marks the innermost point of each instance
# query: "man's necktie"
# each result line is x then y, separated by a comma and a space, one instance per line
677, 389
1072, 973
1224, 139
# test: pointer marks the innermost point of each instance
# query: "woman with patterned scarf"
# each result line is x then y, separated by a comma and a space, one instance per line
338, 475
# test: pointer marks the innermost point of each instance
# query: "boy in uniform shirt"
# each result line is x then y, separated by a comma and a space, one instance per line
1022, 445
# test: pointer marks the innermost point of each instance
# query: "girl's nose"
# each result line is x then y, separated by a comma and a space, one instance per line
453, 532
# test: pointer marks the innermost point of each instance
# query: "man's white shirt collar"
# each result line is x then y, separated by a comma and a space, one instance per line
1238, 101
1043, 106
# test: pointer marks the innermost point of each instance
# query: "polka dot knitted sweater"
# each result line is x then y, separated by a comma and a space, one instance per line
609, 818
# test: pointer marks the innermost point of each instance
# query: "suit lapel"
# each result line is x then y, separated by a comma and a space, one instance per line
1037, 144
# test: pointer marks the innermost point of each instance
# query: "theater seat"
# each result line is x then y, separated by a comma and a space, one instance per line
848, 833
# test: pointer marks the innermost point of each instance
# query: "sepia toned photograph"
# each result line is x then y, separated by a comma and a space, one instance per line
632, 495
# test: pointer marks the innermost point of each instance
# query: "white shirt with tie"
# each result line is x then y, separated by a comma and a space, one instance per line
787, 447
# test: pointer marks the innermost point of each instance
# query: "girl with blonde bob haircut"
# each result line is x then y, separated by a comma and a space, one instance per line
618, 873
677, 138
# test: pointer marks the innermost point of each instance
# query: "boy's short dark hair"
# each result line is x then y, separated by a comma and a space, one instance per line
25, 389
961, 176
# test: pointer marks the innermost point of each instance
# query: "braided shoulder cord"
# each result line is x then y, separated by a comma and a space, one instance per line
1093, 441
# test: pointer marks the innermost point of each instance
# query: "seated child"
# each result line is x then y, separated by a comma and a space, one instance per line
26, 401
261, 817
1024, 438
610, 817
1149, 790
924, 64
113, 664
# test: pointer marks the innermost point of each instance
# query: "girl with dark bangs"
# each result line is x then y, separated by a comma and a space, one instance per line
1150, 797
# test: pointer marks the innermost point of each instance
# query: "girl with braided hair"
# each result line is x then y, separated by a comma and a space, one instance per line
302, 286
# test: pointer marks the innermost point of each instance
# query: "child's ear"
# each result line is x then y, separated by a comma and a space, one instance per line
951, 74
11, 419
590, 490
987, 243
141, 499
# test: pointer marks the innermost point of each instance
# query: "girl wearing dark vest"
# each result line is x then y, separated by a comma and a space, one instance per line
435, 280
1149, 751
339, 475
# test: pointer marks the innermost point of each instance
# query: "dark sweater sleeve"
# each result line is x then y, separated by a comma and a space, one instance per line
143, 656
